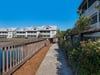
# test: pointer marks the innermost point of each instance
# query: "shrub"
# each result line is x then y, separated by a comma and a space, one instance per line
85, 59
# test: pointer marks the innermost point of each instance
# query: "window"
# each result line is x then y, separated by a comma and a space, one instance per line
48, 31
21, 32
31, 35
99, 16
47, 28
84, 8
4, 32
90, 2
94, 18
44, 31
31, 32
48, 35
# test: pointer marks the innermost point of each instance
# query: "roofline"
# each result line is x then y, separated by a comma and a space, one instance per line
86, 32
82, 4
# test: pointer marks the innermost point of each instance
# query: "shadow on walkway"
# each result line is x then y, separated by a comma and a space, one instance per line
54, 63
62, 66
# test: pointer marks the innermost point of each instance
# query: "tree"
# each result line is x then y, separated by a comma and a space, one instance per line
83, 23
69, 31
98, 6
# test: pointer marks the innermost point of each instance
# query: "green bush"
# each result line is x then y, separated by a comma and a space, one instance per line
85, 59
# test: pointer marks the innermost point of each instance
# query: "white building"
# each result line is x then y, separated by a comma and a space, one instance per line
89, 8
28, 32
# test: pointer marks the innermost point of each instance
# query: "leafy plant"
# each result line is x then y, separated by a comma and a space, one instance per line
85, 59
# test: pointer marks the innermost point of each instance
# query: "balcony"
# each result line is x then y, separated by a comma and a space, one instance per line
31, 33
44, 33
20, 34
3, 33
94, 25
92, 9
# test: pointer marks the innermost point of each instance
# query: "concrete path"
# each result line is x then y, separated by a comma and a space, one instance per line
54, 63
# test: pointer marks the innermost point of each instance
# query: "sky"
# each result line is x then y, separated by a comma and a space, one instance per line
26, 13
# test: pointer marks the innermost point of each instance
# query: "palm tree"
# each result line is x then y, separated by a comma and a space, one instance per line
69, 31
83, 23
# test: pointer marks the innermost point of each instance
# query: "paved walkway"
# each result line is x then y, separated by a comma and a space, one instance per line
54, 63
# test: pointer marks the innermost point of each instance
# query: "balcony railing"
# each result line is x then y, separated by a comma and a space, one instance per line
20, 34
92, 9
3, 33
44, 33
31, 33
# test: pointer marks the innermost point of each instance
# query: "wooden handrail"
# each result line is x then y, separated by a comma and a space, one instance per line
15, 53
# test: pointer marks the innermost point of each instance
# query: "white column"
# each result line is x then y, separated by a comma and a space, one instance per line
51, 34
10, 57
3, 60
26, 34
37, 34
7, 59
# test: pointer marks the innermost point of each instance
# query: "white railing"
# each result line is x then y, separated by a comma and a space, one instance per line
31, 33
92, 9
94, 25
3, 33
20, 34
44, 33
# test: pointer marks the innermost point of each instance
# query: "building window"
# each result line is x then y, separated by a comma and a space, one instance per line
31, 36
99, 16
48, 35
84, 8
44, 31
21, 32
47, 28
3, 32
94, 19
90, 2
31, 31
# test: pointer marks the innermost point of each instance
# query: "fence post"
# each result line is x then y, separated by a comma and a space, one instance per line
13, 56
20, 53
16, 54
7, 60
3, 60
10, 57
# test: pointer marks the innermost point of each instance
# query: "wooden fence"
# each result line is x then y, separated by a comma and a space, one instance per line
16, 53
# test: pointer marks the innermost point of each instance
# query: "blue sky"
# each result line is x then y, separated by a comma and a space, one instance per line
24, 13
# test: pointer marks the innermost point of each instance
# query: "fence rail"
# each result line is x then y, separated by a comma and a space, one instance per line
15, 53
